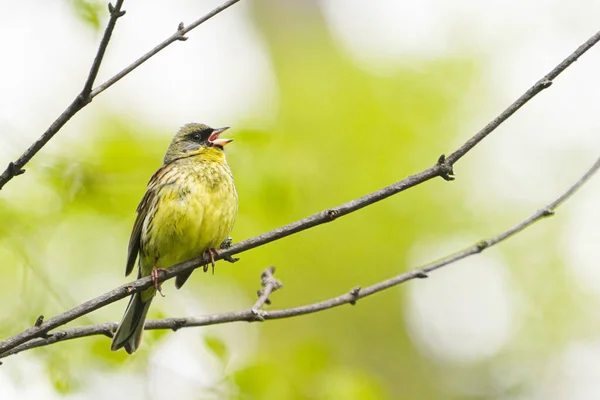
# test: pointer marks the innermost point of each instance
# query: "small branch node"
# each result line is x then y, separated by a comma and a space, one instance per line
259, 315
181, 32
269, 281
332, 214
545, 83
108, 333
13, 170
481, 246
421, 274
178, 324
547, 212
354, 293
39, 321
113, 13
446, 170
267, 273
269, 284
129, 289
84, 99
259, 293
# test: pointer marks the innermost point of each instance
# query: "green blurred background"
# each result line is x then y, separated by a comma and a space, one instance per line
339, 131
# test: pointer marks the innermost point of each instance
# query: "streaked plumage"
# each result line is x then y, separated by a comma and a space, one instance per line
189, 207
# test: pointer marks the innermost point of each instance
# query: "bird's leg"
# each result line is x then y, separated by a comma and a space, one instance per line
212, 252
154, 274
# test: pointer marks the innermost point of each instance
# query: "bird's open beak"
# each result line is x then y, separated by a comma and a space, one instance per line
215, 140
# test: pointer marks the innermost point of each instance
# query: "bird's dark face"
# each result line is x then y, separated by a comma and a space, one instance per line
192, 138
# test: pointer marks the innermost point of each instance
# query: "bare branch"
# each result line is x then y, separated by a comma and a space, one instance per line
15, 168
540, 85
179, 35
83, 98
269, 284
115, 13
253, 314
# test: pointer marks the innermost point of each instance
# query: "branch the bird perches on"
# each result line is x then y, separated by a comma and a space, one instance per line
270, 284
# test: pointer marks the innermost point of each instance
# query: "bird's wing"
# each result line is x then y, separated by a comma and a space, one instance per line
142, 211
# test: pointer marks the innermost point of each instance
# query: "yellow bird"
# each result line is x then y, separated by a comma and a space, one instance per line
188, 210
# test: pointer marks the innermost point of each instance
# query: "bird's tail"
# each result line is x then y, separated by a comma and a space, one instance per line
129, 333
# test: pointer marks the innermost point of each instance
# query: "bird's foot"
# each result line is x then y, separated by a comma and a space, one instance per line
155, 273
225, 245
212, 252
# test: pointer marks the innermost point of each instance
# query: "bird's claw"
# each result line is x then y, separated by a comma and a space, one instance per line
226, 243
155, 273
212, 252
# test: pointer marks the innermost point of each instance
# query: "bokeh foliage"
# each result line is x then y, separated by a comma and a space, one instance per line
88, 11
339, 132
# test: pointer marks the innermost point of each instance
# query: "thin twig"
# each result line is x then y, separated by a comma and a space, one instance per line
251, 315
15, 168
540, 85
269, 284
179, 35
83, 98
441, 168
115, 13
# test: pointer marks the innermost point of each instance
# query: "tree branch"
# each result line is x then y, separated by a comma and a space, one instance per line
540, 85
270, 284
442, 168
83, 98
115, 13
87, 94
178, 35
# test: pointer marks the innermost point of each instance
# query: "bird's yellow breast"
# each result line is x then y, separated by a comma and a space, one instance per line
195, 210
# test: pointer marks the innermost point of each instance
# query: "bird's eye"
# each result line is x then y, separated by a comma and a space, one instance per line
199, 136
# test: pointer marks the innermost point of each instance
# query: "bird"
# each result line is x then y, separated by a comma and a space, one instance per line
188, 210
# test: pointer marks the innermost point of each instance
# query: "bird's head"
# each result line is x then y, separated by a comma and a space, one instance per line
196, 139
